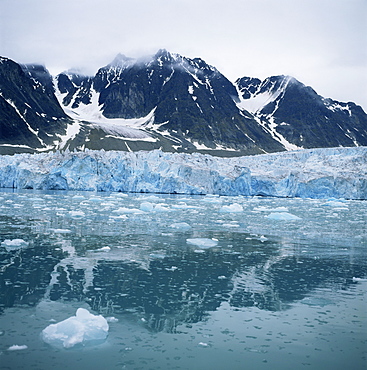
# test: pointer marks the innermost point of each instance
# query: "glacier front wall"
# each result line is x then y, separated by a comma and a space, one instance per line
314, 173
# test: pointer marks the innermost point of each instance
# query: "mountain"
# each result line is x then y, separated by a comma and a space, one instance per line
183, 104
31, 118
169, 102
298, 117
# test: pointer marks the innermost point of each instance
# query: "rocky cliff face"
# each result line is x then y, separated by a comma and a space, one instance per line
295, 113
30, 115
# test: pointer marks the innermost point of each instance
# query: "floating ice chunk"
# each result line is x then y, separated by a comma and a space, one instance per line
235, 207
212, 199
79, 329
128, 210
161, 208
181, 226
147, 207
265, 209
282, 216
112, 319
103, 249
202, 242
263, 238
173, 268
61, 231
16, 347
316, 301
355, 279
95, 199
77, 214
203, 344
335, 203
14, 244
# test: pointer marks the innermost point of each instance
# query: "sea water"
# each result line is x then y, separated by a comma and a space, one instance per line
185, 282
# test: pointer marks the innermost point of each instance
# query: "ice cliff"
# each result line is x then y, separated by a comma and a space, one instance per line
313, 173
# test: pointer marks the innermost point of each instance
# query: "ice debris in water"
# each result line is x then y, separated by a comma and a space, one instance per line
202, 242
235, 207
79, 329
282, 216
14, 244
181, 226
17, 347
77, 214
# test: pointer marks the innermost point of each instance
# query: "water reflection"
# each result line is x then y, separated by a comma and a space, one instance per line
168, 282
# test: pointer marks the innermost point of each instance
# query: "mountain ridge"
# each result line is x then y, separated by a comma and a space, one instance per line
174, 103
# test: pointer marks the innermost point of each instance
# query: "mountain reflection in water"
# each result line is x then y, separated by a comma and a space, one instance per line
164, 288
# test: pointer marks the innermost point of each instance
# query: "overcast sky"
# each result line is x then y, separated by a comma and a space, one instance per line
322, 43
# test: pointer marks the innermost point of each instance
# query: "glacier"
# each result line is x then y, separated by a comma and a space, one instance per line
313, 173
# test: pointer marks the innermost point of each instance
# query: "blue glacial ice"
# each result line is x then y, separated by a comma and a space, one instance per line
314, 173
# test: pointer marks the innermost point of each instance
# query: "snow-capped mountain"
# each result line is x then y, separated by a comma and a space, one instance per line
181, 102
170, 102
30, 115
298, 117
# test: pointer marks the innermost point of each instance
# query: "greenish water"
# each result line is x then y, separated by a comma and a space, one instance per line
186, 282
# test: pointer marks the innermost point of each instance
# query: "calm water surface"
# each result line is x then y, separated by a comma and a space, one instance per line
187, 282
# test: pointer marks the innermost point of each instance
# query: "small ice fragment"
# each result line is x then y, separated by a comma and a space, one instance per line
147, 207
265, 209
263, 238
103, 249
16, 347
222, 277
173, 268
61, 231
128, 210
161, 208
355, 279
203, 344
14, 244
232, 208
202, 242
79, 329
181, 226
282, 216
112, 319
76, 214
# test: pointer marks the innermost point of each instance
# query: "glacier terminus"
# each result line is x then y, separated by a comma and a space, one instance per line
311, 173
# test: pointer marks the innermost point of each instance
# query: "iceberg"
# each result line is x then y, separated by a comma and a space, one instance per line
82, 328
338, 173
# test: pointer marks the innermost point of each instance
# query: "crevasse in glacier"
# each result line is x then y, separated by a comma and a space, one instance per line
313, 173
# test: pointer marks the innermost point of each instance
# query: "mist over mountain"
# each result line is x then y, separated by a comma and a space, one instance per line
169, 102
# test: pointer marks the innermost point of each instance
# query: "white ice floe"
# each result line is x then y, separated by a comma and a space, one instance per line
282, 216
82, 328
202, 242
232, 208
17, 347
77, 214
183, 226
14, 244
